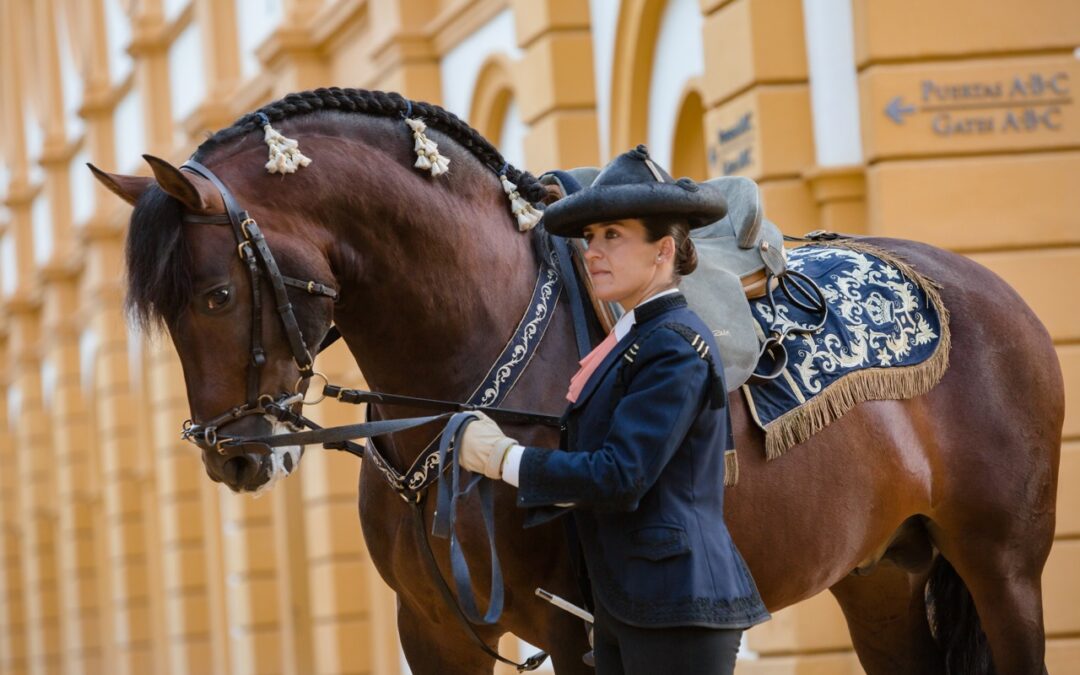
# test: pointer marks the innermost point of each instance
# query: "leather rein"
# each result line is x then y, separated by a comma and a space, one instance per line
411, 485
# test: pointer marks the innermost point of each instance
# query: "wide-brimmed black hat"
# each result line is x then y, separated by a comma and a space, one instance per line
634, 186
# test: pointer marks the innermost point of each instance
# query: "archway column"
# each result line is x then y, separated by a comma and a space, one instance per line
840, 195
99, 138
35, 490
556, 94
76, 485
403, 56
221, 68
838, 180
353, 611
12, 621
36, 517
759, 124
757, 97
973, 143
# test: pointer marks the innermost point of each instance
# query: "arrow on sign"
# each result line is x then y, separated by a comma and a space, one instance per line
896, 110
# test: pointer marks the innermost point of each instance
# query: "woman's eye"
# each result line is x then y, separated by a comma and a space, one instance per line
217, 298
587, 238
611, 234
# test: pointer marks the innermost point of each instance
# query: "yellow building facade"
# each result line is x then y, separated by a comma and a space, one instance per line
954, 123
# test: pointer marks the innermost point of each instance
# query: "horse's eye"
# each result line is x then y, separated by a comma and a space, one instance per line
217, 298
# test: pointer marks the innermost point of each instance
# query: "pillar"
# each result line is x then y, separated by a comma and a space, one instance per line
352, 610
12, 607
403, 55
35, 487
556, 93
130, 624
757, 100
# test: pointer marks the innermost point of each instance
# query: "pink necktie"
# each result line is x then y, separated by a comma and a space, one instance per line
588, 365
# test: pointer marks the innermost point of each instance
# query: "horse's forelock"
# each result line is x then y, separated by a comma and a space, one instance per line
159, 264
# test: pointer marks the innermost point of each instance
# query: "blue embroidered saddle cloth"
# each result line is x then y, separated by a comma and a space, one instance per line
886, 337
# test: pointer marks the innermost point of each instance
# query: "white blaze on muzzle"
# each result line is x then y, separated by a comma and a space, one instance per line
278, 471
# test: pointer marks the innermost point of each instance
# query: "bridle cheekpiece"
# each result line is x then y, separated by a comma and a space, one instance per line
254, 252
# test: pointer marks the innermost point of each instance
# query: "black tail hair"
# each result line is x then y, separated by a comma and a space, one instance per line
954, 622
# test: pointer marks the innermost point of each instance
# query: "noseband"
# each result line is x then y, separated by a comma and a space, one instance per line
255, 254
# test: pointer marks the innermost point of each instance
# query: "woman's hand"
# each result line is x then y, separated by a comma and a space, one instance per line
484, 446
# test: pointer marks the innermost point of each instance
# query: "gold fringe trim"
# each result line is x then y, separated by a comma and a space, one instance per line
871, 384
731, 468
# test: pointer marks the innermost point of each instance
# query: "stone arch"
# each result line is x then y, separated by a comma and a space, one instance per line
492, 96
494, 111
635, 44
688, 152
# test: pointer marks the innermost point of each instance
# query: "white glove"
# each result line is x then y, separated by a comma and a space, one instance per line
484, 446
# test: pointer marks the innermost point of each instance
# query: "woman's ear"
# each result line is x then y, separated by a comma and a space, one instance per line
667, 247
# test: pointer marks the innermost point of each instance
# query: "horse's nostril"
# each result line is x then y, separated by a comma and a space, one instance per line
236, 469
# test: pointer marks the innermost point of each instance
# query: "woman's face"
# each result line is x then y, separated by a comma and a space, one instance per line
624, 265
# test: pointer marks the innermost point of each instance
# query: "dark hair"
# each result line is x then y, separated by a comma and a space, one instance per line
679, 230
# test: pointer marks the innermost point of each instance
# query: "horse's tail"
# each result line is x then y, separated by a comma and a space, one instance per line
955, 623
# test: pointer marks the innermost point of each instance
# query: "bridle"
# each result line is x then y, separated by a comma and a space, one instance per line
259, 261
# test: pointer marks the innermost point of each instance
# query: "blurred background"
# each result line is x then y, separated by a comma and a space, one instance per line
951, 122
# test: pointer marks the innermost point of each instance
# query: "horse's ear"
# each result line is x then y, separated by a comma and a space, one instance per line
178, 184
128, 188
554, 193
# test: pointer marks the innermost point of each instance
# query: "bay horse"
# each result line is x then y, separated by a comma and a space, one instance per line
908, 511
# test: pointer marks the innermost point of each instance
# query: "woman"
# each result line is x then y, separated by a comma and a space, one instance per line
645, 435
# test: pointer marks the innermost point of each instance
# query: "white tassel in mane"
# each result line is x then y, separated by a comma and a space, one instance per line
526, 214
285, 155
427, 150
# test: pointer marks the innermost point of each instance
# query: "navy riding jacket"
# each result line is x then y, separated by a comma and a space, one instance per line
644, 472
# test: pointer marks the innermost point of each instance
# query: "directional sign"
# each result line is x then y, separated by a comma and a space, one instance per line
733, 150
1013, 104
763, 133
896, 110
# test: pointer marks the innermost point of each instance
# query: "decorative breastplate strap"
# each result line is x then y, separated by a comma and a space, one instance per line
493, 389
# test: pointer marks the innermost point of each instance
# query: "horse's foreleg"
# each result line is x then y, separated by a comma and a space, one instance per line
439, 648
886, 616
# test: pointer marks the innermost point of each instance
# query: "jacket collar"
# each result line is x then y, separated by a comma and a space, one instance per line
654, 308
643, 314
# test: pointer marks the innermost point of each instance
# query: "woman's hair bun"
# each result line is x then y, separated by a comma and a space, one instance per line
686, 257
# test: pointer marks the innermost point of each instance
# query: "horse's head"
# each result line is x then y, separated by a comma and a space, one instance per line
370, 215
245, 312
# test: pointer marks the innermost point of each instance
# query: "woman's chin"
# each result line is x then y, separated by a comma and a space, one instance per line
605, 295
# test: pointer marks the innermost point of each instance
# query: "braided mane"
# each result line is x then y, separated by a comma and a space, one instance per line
382, 104
159, 264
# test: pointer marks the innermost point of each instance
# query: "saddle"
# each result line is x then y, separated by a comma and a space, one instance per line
740, 257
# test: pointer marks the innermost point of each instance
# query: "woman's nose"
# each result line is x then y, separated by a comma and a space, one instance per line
591, 253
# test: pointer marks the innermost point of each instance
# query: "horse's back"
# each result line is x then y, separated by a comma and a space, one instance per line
997, 340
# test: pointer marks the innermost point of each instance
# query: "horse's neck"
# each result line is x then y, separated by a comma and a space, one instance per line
429, 318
